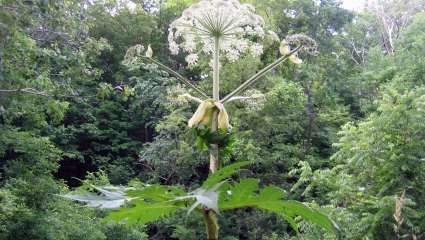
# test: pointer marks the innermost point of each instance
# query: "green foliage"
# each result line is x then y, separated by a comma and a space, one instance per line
205, 137
115, 231
270, 198
143, 212
31, 155
222, 174
152, 203
156, 193
29, 209
377, 160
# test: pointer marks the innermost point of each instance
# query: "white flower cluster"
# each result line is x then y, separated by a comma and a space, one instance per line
235, 25
132, 56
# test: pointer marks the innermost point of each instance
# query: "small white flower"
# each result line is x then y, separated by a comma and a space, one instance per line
249, 30
241, 45
232, 55
174, 48
256, 50
259, 31
192, 59
189, 45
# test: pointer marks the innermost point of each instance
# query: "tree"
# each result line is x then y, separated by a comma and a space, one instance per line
394, 16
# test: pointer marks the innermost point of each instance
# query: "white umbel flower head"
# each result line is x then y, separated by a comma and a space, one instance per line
235, 25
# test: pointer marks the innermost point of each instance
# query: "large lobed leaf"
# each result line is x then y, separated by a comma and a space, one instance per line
223, 173
240, 195
148, 202
205, 197
151, 203
156, 193
243, 194
143, 212
291, 208
101, 197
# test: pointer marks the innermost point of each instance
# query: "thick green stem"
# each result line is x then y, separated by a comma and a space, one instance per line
216, 70
214, 161
210, 217
211, 224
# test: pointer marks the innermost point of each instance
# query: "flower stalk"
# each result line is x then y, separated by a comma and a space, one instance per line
214, 161
177, 75
258, 76
210, 217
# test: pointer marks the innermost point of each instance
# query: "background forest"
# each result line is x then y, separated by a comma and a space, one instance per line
345, 130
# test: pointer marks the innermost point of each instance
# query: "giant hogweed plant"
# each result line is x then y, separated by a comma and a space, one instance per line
212, 29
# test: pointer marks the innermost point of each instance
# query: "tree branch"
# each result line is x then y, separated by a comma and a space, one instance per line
25, 90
